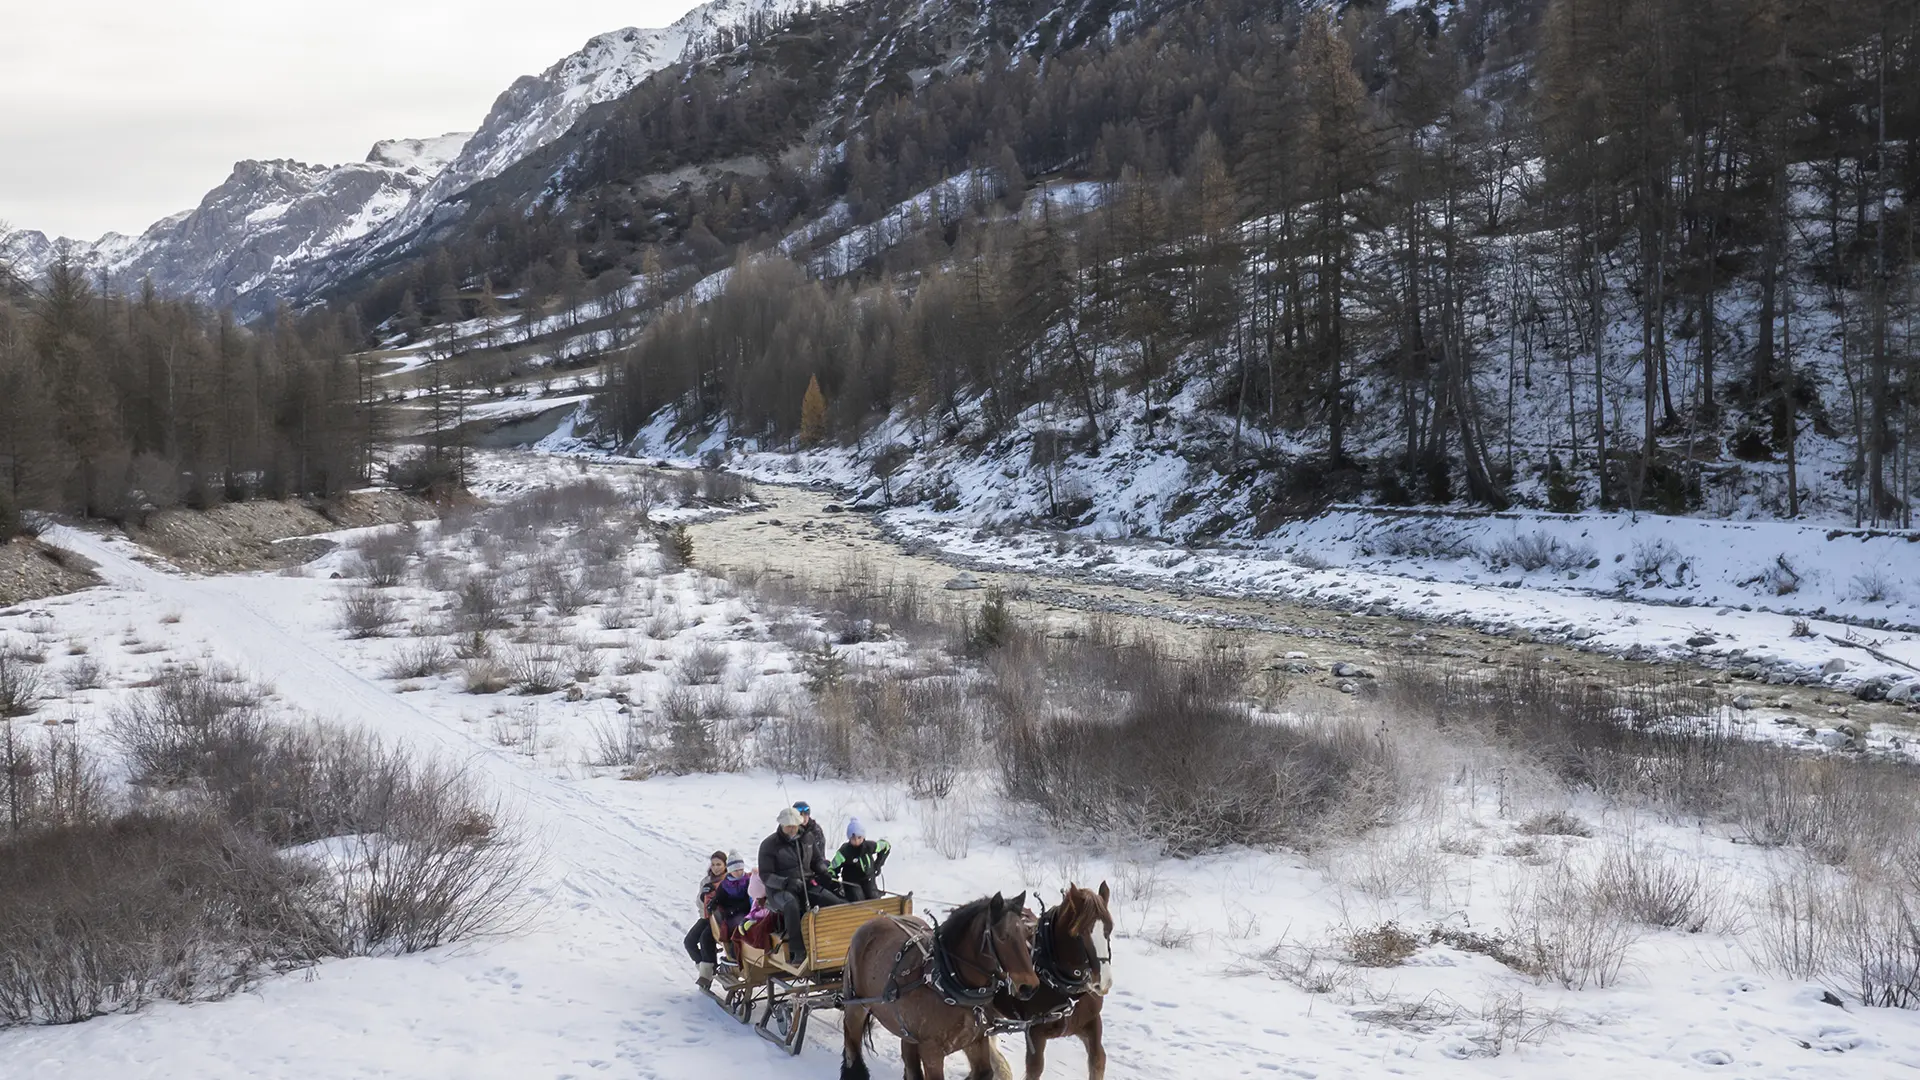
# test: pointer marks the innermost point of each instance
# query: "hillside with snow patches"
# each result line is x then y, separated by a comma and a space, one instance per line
277, 229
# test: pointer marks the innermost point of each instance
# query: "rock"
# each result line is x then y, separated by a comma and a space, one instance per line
1833, 739
1347, 688
1701, 641
1521, 636
1344, 670
574, 693
1582, 633
1743, 703
1833, 667
963, 581
1871, 690
834, 508
1828, 997
1298, 668
1902, 692
775, 521
1296, 655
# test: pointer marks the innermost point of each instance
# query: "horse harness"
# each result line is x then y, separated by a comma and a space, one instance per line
925, 951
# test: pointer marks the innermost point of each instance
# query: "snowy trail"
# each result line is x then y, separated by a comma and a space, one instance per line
606, 881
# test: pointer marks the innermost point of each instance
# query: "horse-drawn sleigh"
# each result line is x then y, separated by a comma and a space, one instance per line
989, 968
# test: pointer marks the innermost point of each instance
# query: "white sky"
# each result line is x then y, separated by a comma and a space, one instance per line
115, 113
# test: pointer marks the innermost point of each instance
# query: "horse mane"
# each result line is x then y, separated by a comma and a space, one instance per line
1083, 907
960, 918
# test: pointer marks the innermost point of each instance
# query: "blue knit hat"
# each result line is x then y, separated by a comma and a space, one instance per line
854, 828
803, 807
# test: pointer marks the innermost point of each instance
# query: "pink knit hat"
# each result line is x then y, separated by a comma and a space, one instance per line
756, 888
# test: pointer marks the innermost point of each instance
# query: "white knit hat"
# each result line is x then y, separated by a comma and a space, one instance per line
790, 816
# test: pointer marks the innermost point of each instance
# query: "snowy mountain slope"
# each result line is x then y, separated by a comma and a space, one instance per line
537, 109
240, 246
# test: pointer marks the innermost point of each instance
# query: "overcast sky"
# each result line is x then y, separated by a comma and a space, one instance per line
115, 113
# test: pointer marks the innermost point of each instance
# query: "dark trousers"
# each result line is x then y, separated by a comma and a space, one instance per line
859, 890
700, 943
819, 895
789, 907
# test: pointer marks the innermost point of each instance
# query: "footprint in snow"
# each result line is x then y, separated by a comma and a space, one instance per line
1712, 1057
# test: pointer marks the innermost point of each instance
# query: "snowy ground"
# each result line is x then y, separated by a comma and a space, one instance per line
599, 985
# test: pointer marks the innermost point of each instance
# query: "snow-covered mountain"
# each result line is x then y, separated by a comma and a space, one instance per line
538, 109
283, 230
265, 222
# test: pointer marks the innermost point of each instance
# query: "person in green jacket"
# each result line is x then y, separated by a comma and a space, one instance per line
858, 863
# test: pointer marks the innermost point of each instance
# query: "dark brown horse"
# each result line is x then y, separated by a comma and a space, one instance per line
935, 988
1073, 955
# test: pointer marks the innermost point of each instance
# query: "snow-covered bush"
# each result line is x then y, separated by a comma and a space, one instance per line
1538, 550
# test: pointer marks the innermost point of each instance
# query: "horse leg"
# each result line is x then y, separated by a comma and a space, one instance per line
853, 1066
1096, 1052
1036, 1054
984, 1061
919, 1068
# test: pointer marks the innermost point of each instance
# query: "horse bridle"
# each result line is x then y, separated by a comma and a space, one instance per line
1046, 959
998, 979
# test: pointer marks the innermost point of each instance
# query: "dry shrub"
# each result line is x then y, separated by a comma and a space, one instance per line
1555, 823
1856, 933
703, 664
1657, 887
382, 557
420, 660
1385, 945
1667, 744
22, 685
535, 669
103, 916
46, 783
1580, 936
367, 612
1183, 760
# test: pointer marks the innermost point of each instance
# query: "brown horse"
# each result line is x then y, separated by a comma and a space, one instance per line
934, 988
1073, 955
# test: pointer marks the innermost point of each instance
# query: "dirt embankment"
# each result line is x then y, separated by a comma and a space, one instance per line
251, 536
30, 570
1328, 656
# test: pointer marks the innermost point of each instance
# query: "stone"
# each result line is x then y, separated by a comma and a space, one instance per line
1701, 641
1347, 688
1743, 703
1344, 670
1833, 667
963, 581
574, 693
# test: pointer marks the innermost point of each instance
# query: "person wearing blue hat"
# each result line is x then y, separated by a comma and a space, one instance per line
823, 888
858, 863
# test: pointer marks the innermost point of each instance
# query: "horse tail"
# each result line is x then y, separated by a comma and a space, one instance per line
856, 1027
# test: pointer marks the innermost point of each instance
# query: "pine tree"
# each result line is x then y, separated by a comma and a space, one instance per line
813, 414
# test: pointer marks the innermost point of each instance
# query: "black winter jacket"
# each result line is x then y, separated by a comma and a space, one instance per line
813, 851
780, 863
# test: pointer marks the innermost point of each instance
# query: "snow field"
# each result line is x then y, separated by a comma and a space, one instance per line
1236, 963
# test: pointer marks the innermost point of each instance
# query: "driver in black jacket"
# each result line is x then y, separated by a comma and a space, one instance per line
783, 870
